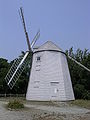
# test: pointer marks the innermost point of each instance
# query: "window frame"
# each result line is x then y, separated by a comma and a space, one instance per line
38, 58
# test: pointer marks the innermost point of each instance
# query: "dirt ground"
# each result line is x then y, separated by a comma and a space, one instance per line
45, 111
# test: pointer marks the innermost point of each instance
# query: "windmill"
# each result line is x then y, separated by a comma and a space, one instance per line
49, 77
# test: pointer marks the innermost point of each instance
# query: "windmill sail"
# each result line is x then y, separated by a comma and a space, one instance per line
14, 74
35, 39
27, 38
19, 64
79, 63
12, 69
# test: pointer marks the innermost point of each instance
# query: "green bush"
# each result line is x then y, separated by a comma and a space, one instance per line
86, 95
15, 104
81, 92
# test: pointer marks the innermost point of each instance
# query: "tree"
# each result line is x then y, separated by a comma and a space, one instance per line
4, 67
79, 76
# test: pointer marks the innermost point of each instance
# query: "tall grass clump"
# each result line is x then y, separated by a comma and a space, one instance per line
15, 104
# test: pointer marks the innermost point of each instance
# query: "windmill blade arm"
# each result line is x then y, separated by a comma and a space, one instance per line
35, 39
23, 22
79, 63
28, 43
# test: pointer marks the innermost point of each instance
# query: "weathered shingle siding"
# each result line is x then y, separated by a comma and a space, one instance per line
51, 68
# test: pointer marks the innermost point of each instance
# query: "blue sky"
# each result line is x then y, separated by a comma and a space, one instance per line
64, 22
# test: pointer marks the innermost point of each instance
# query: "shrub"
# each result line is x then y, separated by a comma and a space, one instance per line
86, 95
15, 104
79, 90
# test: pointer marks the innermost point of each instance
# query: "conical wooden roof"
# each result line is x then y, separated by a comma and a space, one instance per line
47, 46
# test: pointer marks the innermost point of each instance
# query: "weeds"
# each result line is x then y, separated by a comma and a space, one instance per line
15, 104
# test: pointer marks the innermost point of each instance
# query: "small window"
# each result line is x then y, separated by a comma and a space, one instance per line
36, 81
38, 70
36, 86
54, 96
38, 58
37, 65
54, 83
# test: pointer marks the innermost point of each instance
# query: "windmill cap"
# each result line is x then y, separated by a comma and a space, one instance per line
47, 46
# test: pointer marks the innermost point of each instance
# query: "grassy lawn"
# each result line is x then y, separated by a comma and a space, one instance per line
81, 103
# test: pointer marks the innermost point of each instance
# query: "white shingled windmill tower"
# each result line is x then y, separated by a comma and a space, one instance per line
49, 77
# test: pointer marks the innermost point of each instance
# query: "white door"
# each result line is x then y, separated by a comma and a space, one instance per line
54, 90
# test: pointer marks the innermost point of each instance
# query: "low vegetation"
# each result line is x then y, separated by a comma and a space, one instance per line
81, 103
15, 104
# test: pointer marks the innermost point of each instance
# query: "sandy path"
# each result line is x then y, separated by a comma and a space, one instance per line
26, 114
43, 112
62, 110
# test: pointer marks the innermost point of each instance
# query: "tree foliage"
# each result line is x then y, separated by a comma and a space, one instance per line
79, 76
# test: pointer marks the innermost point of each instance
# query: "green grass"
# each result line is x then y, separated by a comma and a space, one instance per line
15, 104
81, 103
12, 98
